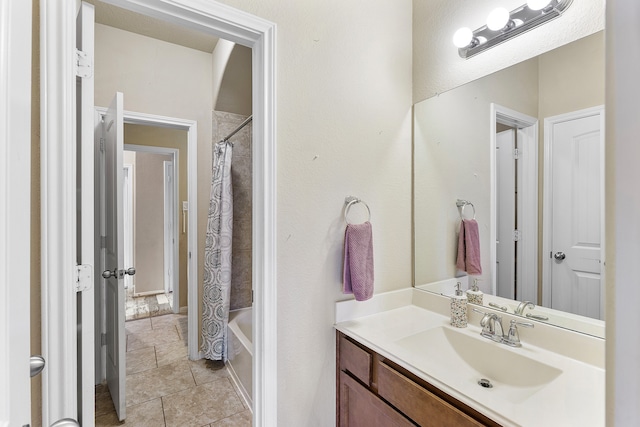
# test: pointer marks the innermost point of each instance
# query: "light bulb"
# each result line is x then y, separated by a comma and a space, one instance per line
463, 37
498, 19
537, 4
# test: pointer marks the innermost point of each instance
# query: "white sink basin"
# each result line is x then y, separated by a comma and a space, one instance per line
469, 358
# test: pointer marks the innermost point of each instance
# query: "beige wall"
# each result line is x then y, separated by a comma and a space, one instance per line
343, 127
572, 77
235, 90
436, 64
177, 139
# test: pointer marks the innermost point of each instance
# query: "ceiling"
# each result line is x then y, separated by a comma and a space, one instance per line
123, 19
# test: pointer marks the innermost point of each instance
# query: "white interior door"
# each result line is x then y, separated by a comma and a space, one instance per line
15, 205
576, 217
505, 213
113, 126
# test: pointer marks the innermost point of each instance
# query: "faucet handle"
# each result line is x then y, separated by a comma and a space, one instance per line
513, 338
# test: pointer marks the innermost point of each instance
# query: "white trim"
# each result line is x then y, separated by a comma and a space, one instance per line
170, 232
58, 209
128, 225
547, 225
57, 47
86, 145
527, 267
15, 205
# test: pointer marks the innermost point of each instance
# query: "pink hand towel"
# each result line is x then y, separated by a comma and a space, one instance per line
358, 261
469, 247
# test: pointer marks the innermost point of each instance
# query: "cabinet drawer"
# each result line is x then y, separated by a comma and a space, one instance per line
355, 360
417, 403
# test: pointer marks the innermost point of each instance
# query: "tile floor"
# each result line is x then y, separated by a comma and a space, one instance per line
165, 389
147, 306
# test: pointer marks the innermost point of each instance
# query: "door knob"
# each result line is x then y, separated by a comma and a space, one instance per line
108, 273
559, 256
36, 365
66, 422
130, 271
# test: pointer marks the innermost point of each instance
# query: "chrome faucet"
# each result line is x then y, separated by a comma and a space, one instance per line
492, 327
523, 305
512, 338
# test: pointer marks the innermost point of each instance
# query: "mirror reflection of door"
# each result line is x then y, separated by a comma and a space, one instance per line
506, 198
574, 143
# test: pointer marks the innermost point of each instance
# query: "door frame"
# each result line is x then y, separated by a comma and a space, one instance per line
15, 205
547, 229
128, 221
527, 267
192, 176
191, 127
170, 231
58, 119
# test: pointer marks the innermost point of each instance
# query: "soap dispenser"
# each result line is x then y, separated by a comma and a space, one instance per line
474, 294
459, 308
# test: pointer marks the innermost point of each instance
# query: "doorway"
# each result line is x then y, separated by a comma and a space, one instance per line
154, 185
514, 204
212, 18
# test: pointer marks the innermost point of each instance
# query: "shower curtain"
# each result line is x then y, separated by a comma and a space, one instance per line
217, 256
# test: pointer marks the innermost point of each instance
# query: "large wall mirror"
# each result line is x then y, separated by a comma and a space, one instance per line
525, 146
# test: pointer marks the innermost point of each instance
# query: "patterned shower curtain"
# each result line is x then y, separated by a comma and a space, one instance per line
217, 256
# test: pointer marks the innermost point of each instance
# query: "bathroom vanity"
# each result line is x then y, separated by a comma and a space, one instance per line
367, 381
399, 362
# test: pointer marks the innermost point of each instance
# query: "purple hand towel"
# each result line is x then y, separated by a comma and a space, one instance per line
469, 248
358, 261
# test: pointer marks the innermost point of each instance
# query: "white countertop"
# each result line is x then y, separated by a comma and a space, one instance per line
575, 397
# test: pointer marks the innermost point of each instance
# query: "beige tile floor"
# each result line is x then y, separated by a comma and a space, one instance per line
165, 389
138, 307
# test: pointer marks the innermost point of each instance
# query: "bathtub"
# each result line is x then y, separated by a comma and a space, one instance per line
240, 352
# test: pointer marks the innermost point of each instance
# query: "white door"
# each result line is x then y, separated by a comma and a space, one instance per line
576, 218
505, 213
113, 131
15, 190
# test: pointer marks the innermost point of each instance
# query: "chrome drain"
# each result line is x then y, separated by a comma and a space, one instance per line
485, 383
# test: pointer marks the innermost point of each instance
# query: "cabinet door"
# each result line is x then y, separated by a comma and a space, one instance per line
361, 408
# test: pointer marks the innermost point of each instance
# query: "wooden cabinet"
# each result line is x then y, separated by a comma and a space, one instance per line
373, 391
359, 407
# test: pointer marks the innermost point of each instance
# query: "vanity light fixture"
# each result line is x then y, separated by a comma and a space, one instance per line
503, 25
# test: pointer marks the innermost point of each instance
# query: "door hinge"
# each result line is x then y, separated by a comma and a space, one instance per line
102, 142
103, 339
516, 153
103, 242
84, 64
517, 235
84, 277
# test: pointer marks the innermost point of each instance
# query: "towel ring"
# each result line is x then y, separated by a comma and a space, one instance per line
464, 203
350, 201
